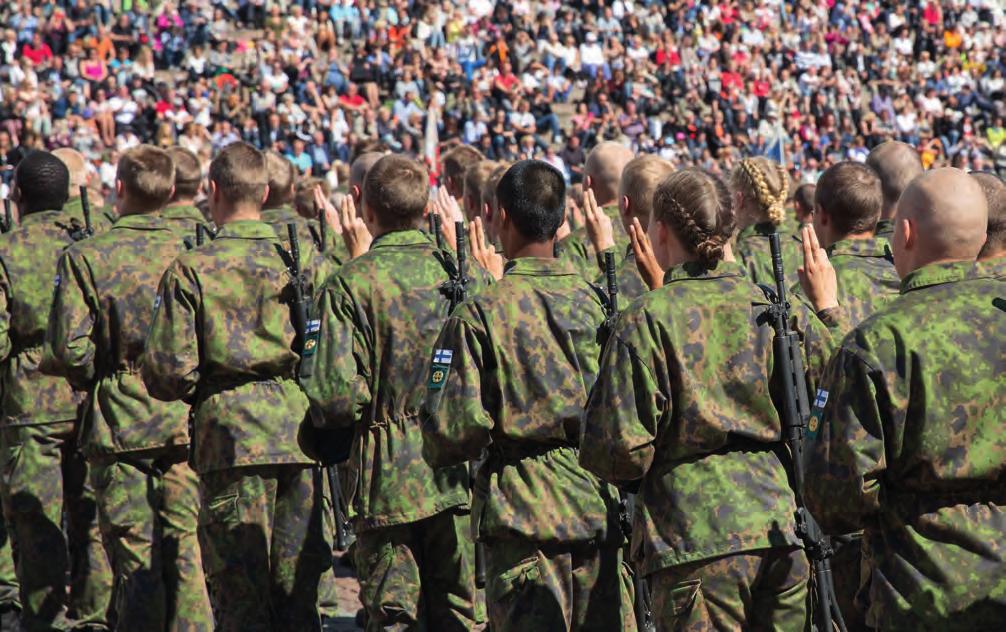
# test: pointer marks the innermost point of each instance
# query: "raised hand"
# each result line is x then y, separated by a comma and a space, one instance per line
483, 251
817, 275
598, 224
646, 261
328, 210
354, 230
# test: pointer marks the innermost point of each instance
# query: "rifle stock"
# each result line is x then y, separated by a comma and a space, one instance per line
8, 217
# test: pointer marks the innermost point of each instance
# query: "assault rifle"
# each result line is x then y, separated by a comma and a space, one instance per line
796, 413
8, 217
627, 503
85, 206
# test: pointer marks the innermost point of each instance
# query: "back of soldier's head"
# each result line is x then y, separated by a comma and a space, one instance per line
995, 195
76, 165
475, 176
282, 177
396, 190
358, 170
533, 195
453, 165
640, 178
303, 199
42, 182
488, 195
604, 166
849, 193
145, 179
897, 164
803, 201
188, 173
240, 175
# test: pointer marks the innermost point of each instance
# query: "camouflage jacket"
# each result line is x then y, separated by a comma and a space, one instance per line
379, 318
911, 449
28, 257
516, 363
222, 339
102, 217
100, 317
885, 229
994, 268
867, 280
308, 233
183, 220
684, 407
580, 251
754, 250
630, 282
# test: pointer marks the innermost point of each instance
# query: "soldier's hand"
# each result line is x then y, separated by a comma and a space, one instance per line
354, 230
328, 210
575, 215
646, 261
599, 227
817, 275
483, 251
564, 230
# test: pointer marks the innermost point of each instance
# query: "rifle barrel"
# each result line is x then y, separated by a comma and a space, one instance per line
85, 206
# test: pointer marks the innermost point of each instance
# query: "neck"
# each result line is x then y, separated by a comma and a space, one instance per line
998, 254
183, 202
238, 213
850, 237
536, 250
888, 212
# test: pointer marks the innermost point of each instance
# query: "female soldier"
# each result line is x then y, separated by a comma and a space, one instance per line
761, 188
682, 411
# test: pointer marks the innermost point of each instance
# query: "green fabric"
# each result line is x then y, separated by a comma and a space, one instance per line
183, 220
683, 405
578, 249
885, 229
911, 449
101, 314
524, 356
754, 249
380, 315
222, 338
308, 233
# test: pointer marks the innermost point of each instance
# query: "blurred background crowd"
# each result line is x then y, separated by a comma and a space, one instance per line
807, 83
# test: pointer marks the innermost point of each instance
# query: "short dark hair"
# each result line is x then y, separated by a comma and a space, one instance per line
995, 194
804, 201
282, 177
188, 173
850, 193
43, 182
533, 193
397, 190
239, 171
147, 173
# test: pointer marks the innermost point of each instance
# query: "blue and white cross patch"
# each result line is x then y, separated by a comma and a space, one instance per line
442, 356
311, 337
817, 413
822, 398
440, 369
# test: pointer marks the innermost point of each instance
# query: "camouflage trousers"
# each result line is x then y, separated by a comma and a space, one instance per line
571, 587
9, 598
846, 572
44, 479
418, 576
264, 547
148, 521
763, 590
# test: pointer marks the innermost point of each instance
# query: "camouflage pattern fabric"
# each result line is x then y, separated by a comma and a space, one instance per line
630, 282
885, 229
263, 547
9, 588
401, 591
684, 406
308, 233
183, 220
758, 590
102, 217
578, 249
101, 314
510, 374
149, 515
910, 449
44, 477
222, 337
575, 588
993, 268
754, 250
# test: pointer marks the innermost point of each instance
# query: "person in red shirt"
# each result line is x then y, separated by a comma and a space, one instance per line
352, 100
37, 51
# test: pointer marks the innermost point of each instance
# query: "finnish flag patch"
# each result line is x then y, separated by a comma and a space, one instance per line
442, 356
311, 337
440, 369
817, 413
822, 398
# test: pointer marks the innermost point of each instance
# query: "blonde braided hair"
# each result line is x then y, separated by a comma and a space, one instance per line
772, 205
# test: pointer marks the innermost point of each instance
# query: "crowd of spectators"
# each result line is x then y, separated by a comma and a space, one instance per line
806, 82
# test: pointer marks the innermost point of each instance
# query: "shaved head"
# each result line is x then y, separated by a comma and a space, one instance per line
941, 216
897, 164
358, 173
77, 167
604, 168
995, 195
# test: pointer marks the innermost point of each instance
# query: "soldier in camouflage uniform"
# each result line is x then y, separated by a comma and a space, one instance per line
683, 412
223, 339
44, 477
137, 447
102, 216
379, 318
909, 444
181, 214
897, 164
453, 164
760, 190
992, 258
475, 177
499, 383
603, 174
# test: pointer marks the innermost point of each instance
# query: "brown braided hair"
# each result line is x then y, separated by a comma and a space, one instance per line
689, 202
767, 183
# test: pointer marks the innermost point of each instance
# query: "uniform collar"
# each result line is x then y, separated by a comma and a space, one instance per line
761, 228
536, 266
938, 274
247, 229
42, 217
407, 237
872, 247
182, 211
284, 212
695, 270
140, 221
991, 268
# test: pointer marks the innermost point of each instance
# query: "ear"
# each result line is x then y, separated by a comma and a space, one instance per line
504, 217
214, 191
120, 188
265, 195
908, 230
587, 182
822, 215
625, 207
487, 213
357, 193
